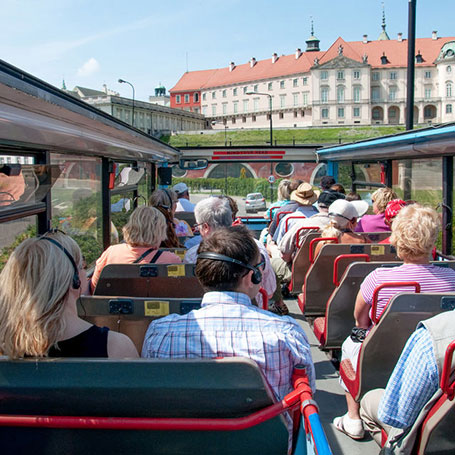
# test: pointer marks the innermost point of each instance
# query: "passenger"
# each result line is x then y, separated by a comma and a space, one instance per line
413, 382
326, 182
353, 196
338, 187
165, 201
284, 193
234, 209
214, 213
183, 204
282, 261
229, 267
305, 197
414, 232
391, 211
39, 287
143, 234
343, 220
376, 223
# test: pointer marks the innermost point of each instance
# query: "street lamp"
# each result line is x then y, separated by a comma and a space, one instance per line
122, 81
270, 107
214, 122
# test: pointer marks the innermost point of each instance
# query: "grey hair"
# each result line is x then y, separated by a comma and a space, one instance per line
214, 211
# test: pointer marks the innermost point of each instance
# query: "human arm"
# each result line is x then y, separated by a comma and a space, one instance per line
101, 262
361, 309
120, 346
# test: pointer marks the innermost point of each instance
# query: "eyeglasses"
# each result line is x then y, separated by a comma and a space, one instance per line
261, 265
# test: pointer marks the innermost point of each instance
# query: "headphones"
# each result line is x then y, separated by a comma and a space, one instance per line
167, 207
76, 279
256, 278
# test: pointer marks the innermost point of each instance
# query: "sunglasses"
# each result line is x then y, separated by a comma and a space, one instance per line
261, 265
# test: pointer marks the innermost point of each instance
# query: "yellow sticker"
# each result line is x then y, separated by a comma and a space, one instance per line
156, 308
176, 270
377, 250
180, 254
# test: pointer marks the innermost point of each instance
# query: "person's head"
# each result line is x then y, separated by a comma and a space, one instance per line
219, 273
233, 205
146, 227
165, 198
327, 198
353, 196
182, 190
338, 187
414, 232
284, 190
392, 210
39, 279
212, 213
381, 198
343, 216
326, 182
304, 194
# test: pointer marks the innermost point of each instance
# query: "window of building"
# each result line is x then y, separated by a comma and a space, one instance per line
427, 74
356, 74
245, 105
449, 89
196, 110
243, 119
302, 113
341, 112
233, 120
340, 74
204, 96
236, 107
270, 86
324, 94
295, 82
375, 93
281, 84
356, 112
224, 93
196, 98
213, 109
324, 113
340, 94
427, 92
393, 75
324, 75
376, 76
356, 94
204, 110
224, 108
392, 93
296, 99
213, 95
253, 118
255, 88
282, 101
187, 98
305, 99
256, 104
281, 116
245, 89
305, 80
295, 114
392, 113
448, 108
234, 92
178, 99
449, 69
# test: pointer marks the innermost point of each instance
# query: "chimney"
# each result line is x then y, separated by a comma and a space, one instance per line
252, 62
274, 57
400, 37
298, 53
231, 66
365, 39
434, 35
105, 89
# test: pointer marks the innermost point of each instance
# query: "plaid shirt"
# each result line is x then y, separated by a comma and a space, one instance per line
228, 325
413, 382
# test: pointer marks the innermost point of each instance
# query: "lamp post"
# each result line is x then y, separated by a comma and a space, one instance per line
214, 122
122, 81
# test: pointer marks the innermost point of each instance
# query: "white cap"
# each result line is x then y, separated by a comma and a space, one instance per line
180, 188
348, 209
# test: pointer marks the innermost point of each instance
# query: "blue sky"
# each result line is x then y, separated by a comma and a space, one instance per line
90, 43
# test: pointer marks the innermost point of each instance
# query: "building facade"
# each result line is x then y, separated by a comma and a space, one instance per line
352, 83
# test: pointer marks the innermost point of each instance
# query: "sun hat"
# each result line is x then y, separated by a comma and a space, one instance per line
304, 194
348, 209
328, 197
392, 209
180, 188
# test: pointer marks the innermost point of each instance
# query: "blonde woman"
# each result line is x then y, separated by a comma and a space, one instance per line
376, 222
39, 287
143, 234
414, 233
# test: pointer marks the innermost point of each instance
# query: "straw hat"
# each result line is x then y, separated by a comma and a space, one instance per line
304, 194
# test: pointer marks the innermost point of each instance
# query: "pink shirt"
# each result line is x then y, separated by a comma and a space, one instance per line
430, 277
126, 254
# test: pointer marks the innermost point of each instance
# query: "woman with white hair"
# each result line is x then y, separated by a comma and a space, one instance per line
143, 234
414, 233
39, 287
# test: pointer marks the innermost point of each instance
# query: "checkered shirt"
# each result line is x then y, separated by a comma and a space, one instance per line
228, 325
413, 382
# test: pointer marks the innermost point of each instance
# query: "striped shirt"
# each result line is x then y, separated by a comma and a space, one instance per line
430, 277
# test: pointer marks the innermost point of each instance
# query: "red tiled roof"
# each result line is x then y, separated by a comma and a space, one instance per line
286, 65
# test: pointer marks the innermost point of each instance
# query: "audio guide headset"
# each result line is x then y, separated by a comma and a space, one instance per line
76, 279
256, 278
167, 207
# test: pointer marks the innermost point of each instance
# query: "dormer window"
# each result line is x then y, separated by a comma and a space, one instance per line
384, 60
419, 58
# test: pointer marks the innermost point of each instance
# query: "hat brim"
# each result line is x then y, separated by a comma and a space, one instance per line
361, 207
304, 201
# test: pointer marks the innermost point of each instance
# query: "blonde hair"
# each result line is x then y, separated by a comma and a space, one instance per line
34, 287
336, 224
146, 227
414, 231
284, 190
162, 198
382, 197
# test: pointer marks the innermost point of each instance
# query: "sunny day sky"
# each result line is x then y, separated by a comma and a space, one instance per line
96, 42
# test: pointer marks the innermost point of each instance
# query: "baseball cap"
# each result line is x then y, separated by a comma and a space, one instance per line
348, 209
328, 197
180, 188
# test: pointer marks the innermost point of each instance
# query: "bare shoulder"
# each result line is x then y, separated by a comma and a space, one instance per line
120, 346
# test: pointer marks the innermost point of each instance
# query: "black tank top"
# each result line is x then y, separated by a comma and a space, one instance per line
91, 343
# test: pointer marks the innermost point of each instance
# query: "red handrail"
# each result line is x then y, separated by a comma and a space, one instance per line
271, 209
346, 256
286, 225
279, 214
304, 228
265, 298
319, 239
374, 302
444, 383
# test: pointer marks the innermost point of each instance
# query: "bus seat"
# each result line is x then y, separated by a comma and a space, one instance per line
180, 252
319, 283
140, 406
149, 280
375, 237
397, 323
131, 315
186, 216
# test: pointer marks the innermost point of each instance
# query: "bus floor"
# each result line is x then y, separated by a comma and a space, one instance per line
330, 396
